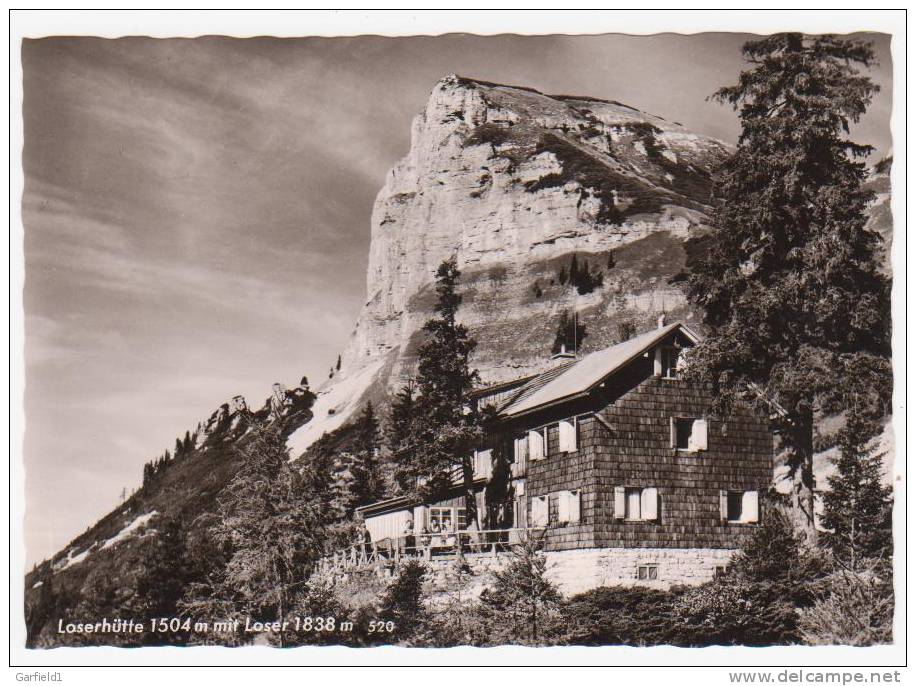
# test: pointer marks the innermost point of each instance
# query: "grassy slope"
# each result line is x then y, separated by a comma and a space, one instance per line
187, 489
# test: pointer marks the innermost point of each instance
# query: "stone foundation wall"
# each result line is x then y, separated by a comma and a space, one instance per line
577, 571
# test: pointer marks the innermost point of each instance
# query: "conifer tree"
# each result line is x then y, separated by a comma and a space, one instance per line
187, 444
400, 436
271, 525
574, 270
402, 602
161, 580
444, 432
857, 507
522, 604
626, 329
790, 288
148, 471
367, 485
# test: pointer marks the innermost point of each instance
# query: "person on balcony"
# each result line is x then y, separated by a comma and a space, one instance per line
449, 535
407, 544
424, 539
436, 537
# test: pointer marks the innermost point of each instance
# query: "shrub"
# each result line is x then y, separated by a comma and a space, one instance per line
402, 602
489, 133
756, 601
622, 616
775, 554
855, 609
522, 606
732, 610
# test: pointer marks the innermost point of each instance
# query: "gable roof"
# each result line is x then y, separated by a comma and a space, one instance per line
581, 376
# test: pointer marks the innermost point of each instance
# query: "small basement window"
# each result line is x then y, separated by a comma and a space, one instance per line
720, 570
648, 572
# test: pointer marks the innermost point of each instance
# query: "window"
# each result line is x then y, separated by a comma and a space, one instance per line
670, 358
636, 504
568, 437
537, 444
742, 507
568, 507
688, 433
720, 570
540, 511
447, 518
648, 572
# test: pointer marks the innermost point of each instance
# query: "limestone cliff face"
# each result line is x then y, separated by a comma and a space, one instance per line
514, 183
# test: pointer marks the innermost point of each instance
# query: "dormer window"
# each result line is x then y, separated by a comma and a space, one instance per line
669, 361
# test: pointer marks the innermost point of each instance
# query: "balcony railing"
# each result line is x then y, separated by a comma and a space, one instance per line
428, 547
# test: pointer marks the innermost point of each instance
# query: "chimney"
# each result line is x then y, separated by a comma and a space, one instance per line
563, 355
661, 321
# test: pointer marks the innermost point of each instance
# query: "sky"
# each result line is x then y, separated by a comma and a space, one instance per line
196, 216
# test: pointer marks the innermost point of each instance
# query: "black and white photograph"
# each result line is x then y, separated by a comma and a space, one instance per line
537, 339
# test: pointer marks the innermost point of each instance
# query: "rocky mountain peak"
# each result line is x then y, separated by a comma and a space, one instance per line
515, 182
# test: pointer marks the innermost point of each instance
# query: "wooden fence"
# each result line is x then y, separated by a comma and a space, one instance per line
428, 547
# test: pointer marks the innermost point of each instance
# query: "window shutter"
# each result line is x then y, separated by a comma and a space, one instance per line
483, 464
419, 517
575, 507
723, 505
567, 436
539, 510
750, 507
649, 504
535, 445
672, 426
657, 367
563, 507
620, 502
699, 434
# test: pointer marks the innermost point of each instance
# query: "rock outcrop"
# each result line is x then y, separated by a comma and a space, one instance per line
232, 420
515, 183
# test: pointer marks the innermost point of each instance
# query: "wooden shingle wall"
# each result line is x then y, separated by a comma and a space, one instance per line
636, 452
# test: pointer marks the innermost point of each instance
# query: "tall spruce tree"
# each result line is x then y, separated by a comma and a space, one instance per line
400, 436
857, 507
271, 525
366, 481
790, 287
444, 431
161, 580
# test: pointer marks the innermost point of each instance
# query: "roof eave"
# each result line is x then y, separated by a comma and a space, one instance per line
678, 326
